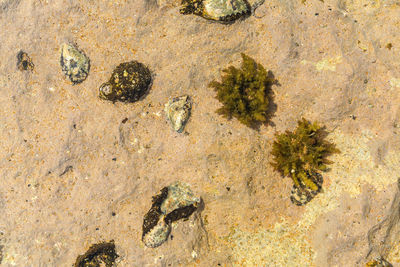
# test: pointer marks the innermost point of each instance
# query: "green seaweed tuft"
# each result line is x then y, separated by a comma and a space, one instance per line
245, 93
304, 151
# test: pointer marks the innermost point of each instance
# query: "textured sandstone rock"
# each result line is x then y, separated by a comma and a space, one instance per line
75, 172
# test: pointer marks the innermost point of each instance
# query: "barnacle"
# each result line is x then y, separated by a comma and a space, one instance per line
245, 93
301, 154
97, 255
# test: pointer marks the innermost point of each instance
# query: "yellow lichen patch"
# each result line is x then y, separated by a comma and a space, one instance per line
13, 259
328, 63
355, 166
395, 82
362, 46
394, 255
212, 189
361, 6
325, 64
283, 245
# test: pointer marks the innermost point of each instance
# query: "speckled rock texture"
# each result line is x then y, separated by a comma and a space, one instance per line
78, 171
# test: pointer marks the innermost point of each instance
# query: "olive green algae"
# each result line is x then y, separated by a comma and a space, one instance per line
245, 93
300, 155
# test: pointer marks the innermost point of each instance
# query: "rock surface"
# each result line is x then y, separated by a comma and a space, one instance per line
76, 170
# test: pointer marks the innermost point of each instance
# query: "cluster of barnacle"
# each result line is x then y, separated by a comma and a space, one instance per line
129, 82
245, 94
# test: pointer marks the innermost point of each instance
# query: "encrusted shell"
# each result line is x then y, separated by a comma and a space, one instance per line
74, 63
102, 253
179, 196
128, 83
302, 195
174, 202
158, 234
218, 10
178, 112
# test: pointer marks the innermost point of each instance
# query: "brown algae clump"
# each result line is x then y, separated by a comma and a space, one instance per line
102, 254
174, 202
245, 93
74, 63
24, 62
224, 11
301, 154
128, 83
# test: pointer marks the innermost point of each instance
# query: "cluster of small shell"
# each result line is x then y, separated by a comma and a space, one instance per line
129, 82
173, 203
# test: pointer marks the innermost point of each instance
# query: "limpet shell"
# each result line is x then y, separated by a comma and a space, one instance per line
158, 234
178, 112
74, 63
218, 10
174, 202
128, 83
302, 195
